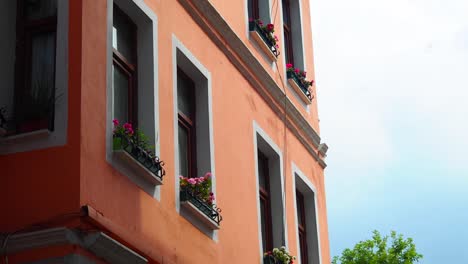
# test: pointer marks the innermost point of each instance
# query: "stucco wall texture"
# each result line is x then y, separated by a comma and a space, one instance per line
41, 184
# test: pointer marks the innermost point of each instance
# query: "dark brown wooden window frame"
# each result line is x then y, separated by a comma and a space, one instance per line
287, 29
301, 225
25, 30
265, 196
189, 123
129, 69
254, 10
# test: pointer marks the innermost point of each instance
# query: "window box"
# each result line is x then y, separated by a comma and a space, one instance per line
270, 260
300, 86
209, 214
138, 159
278, 256
262, 37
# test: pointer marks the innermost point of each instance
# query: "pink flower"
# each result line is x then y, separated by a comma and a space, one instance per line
192, 181
289, 65
116, 122
260, 22
181, 177
296, 70
127, 126
304, 73
311, 82
251, 19
207, 175
277, 46
276, 38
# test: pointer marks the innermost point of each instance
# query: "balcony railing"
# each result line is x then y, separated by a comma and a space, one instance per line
210, 211
254, 26
146, 159
271, 260
304, 88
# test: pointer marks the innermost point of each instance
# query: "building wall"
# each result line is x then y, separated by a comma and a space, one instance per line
79, 174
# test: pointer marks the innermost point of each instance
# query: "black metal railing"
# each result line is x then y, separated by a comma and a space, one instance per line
304, 87
270, 260
254, 26
211, 211
142, 156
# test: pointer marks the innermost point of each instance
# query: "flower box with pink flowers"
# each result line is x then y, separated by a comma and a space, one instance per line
265, 37
132, 147
297, 80
196, 196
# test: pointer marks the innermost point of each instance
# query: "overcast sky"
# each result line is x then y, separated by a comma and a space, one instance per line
392, 80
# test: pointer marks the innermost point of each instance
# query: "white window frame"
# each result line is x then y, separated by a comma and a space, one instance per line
307, 188
44, 138
184, 58
148, 85
260, 135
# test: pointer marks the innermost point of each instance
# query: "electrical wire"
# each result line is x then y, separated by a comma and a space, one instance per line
274, 13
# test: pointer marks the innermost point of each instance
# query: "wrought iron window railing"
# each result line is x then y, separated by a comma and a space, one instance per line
142, 156
211, 211
254, 26
304, 87
271, 260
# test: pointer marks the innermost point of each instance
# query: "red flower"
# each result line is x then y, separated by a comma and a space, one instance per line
289, 65
296, 70
270, 27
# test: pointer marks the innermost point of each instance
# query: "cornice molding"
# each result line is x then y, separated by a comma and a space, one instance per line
97, 242
217, 29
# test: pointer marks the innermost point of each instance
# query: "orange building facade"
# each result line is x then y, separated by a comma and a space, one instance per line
212, 89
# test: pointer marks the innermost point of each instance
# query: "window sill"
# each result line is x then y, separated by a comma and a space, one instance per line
293, 83
263, 45
201, 216
205, 213
25, 137
136, 167
262, 41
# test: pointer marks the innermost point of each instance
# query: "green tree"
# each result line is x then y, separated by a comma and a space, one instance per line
378, 251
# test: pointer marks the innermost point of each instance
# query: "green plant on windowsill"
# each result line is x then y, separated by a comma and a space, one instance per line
136, 144
278, 256
125, 132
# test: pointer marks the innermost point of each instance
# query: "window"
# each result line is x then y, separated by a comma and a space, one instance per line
292, 31
193, 137
186, 114
302, 227
306, 218
272, 232
265, 202
288, 47
132, 79
259, 9
34, 73
124, 44
253, 9
34, 94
